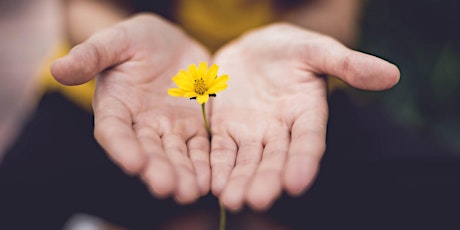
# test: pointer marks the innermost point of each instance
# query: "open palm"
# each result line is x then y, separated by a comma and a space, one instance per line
147, 132
269, 126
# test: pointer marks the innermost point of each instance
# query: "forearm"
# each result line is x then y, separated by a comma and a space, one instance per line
337, 18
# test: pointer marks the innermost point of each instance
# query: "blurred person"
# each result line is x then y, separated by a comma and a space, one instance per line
188, 178
224, 56
172, 156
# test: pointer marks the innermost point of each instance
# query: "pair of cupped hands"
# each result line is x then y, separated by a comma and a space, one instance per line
268, 127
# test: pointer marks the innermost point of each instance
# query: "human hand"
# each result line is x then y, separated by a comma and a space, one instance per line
145, 131
269, 126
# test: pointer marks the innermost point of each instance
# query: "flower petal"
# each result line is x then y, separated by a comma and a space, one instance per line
223, 78
211, 74
202, 70
186, 75
219, 84
220, 81
192, 70
183, 83
202, 98
175, 92
191, 94
215, 90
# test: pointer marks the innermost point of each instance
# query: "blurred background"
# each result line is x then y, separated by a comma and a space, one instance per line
392, 159
424, 42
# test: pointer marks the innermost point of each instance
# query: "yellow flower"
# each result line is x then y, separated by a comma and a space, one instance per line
199, 83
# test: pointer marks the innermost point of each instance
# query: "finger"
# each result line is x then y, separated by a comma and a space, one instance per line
105, 49
198, 148
248, 158
223, 156
114, 133
307, 146
358, 69
187, 189
159, 174
266, 185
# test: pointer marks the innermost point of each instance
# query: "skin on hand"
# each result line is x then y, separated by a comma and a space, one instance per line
144, 130
269, 126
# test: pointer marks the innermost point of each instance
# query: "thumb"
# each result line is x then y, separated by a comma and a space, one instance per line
358, 69
103, 50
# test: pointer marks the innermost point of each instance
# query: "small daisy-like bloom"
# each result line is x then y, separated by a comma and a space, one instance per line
198, 83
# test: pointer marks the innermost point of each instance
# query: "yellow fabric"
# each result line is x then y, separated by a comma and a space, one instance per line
215, 22
212, 22
334, 83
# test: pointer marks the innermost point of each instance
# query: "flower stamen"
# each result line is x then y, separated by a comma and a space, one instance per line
200, 86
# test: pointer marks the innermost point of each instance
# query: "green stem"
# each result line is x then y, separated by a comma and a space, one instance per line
203, 110
223, 218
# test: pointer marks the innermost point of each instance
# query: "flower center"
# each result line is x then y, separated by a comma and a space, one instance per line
200, 86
